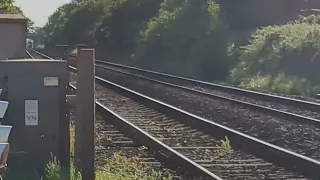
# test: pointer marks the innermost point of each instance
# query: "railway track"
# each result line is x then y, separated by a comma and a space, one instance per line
265, 150
201, 148
306, 102
36, 55
109, 140
294, 109
301, 135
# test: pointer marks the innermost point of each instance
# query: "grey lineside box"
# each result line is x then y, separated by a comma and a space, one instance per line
36, 92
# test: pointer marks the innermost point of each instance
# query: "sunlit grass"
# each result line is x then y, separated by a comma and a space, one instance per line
118, 167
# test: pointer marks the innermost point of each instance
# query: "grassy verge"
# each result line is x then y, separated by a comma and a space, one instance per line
118, 167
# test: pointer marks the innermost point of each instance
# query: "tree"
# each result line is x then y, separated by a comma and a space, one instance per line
10, 8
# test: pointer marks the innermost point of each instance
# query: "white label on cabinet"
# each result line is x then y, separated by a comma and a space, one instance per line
31, 112
51, 81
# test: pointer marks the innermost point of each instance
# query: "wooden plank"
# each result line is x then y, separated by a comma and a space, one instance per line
86, 111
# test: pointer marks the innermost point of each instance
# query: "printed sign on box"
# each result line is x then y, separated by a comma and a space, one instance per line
31, 112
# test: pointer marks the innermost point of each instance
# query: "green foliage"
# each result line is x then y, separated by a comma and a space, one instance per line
225, 147
233, 54
118, 167
153, 34
189, 33
9, 6
190, 38
312, 19
284, 59
97, 23
53, 171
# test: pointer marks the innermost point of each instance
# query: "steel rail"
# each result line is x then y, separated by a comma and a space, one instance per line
287, 115
271, 153
139, 135
238, 91
38, 53
29, 54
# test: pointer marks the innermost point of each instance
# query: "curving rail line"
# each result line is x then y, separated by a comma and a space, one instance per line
37, 55
247, 148
234, 90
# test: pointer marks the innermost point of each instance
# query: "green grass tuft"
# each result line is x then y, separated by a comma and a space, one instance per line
118, 167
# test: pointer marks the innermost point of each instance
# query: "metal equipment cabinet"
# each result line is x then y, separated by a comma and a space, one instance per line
36, 91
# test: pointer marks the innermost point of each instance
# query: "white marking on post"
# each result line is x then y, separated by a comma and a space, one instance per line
31, 112
51, 81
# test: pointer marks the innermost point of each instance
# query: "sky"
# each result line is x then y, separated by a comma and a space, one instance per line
39, 10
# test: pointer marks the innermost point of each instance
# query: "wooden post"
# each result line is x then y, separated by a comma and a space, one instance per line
78, 128
86, 111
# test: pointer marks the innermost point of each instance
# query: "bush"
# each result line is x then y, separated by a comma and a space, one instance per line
187, 38
118, 167
284, 59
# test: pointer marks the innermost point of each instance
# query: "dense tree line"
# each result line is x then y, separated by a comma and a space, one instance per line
191, 38
153, 34
160, 34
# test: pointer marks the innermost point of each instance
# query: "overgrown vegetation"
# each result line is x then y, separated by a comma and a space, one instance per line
151, 34
197, 39
10, 8
284, 59
118, 167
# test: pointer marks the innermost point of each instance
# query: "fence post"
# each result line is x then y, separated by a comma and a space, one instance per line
85, 112
78, 128
64, 124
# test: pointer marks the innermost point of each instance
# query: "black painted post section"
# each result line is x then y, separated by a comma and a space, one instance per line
86, 111
78, 128
65, 124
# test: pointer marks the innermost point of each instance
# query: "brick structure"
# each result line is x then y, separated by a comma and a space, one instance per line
13, 34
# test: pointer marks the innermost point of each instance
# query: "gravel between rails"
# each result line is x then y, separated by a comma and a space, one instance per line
274, 105
229, 165
109, 140
278, 106
299, 97
300, 138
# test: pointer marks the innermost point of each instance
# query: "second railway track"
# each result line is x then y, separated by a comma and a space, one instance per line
274, 102
111, 141
301, 135
36, 55
206, 150
275, 156
299, 110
